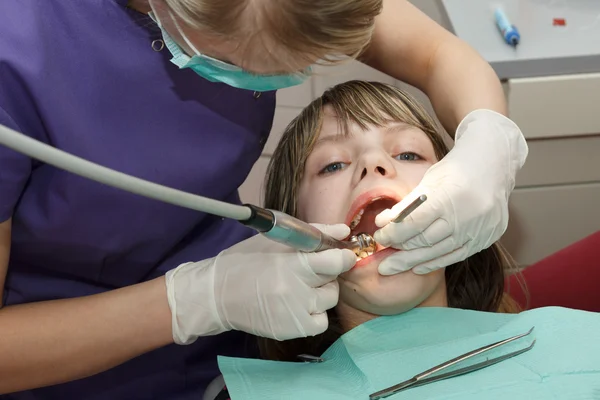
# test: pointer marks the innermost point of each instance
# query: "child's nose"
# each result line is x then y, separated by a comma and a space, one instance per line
376, 163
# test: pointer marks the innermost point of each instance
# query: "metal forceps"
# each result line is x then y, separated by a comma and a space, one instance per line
425, 377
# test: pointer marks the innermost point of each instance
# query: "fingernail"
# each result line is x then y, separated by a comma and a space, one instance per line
383, 218
339, 231
381, 238
345, 228
349, 260
422, 270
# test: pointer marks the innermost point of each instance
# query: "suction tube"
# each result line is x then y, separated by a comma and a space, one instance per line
78, 166
275, 225
293, 232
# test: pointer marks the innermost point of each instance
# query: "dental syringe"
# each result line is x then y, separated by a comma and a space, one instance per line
274, 225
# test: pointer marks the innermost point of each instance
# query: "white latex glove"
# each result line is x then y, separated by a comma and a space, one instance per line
260, 287
467, 198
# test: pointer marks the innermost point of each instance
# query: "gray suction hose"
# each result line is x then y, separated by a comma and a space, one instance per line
78, 166
275, 225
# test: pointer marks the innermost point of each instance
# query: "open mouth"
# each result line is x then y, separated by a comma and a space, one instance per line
362, 217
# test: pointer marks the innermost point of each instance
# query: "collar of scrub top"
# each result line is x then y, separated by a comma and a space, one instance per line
431, 375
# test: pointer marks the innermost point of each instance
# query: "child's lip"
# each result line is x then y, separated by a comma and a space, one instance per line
378, 256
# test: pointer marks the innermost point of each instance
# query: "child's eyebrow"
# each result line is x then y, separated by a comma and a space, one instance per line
331, 139
399, 127
392, 128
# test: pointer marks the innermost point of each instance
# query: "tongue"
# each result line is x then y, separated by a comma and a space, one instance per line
367, 222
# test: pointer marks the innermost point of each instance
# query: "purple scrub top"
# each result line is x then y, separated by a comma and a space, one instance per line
82, 75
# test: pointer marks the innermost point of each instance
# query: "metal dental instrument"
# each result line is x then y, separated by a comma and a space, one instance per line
365, 242
425, 377
411, 207
275, 225
293, 232
310, 359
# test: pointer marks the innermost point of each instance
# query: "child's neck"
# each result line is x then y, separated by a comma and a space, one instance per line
351, 317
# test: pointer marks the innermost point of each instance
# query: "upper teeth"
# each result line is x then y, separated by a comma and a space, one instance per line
358, 216
356, 219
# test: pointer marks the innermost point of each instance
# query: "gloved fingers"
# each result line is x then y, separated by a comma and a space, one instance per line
327, 265
315, 320
439, 230
299, 325
324, 298
318, 325
453, 257
403, 261
386, 216
394, 234
335, 261
337, 231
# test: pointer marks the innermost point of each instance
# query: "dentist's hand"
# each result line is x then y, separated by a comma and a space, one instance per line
467, 198
260, 287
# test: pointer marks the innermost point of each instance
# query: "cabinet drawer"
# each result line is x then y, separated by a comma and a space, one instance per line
561, 160
553, 106
545, 220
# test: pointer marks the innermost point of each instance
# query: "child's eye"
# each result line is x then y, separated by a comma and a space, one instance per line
333, 167
408, 156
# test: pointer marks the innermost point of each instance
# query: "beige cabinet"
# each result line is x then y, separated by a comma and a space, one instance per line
557, 195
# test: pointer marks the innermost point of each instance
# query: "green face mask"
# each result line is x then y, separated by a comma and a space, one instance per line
218, 71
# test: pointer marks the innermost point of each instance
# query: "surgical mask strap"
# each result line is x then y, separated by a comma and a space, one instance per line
187, 41
154, 16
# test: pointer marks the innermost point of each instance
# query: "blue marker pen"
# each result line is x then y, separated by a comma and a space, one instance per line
509, 31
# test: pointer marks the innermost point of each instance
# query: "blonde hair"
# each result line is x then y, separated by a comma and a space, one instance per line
476, 283
313, 30
364, 103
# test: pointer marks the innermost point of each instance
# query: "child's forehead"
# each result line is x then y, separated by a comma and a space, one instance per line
333, 126
354, 119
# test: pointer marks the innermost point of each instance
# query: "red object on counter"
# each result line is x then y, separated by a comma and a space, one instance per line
559, 22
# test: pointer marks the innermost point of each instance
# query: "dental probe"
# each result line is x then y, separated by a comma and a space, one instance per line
275, 225
411, 207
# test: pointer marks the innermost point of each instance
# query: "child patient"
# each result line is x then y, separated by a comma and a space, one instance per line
352, 153
358, 150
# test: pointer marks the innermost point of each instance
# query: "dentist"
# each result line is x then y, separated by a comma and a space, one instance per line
109, 295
